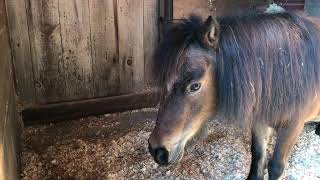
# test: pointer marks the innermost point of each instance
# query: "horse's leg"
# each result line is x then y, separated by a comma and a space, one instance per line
318, 129
286, 138
259, 142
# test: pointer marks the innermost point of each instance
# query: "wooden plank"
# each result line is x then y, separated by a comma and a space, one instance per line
78, 109
131, 55
76, 45
9, 126
11, 139
5, 68
151, 37
3, 90
46, 48
4, 75
18, 28
3, 14
104, 48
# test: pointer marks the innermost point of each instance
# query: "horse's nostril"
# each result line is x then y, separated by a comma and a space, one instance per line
161, 156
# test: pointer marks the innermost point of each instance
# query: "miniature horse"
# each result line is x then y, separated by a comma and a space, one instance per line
260, 71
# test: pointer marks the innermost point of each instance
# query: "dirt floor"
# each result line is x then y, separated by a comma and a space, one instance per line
114, 146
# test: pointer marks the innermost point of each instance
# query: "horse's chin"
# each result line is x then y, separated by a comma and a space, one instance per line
177, 154
176, 159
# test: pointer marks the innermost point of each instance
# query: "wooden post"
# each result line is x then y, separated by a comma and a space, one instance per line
10, 126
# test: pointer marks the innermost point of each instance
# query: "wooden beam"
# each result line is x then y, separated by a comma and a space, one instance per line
10, 126
20, 46
77, 109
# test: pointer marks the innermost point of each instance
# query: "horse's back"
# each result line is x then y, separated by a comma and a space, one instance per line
277, 71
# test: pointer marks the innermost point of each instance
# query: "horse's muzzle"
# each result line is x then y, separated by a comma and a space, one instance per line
163, 157
160, 155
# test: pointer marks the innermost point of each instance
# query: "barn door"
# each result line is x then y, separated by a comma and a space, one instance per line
70, 50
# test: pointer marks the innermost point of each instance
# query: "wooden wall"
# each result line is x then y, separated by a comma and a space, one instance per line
66, 50
204, 8
9, 122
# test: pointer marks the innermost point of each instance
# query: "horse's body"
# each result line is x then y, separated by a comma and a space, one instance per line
258, 70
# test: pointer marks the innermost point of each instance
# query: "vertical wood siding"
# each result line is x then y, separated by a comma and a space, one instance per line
9, 124
130, 26
150, 37
76, 48
46, 49
68, 50
105, 63
20, 45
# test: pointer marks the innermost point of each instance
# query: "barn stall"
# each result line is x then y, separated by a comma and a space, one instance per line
66, 64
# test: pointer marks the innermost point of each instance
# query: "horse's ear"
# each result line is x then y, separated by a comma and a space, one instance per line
210, 33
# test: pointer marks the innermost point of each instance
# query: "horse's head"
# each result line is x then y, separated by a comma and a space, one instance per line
189, 95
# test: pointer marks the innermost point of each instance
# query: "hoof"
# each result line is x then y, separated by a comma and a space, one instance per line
318, 129
255, 178
275, 169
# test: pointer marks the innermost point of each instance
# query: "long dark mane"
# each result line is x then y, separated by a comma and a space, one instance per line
176, 38
267, 65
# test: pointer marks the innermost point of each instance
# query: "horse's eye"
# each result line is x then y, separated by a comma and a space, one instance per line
195, 87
